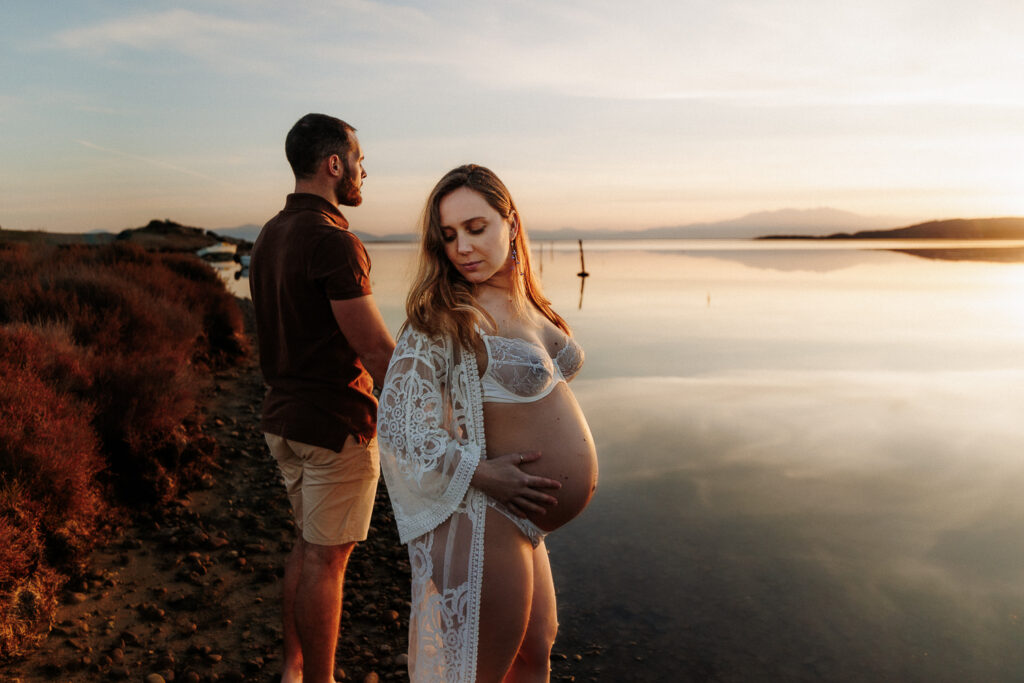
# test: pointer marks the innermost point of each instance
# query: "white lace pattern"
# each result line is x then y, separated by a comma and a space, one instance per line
431, 435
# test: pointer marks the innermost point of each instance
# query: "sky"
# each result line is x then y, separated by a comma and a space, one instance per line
596, 114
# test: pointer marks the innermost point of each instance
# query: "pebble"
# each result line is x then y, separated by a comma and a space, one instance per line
129, 638
152, 612
155, 678
76, 598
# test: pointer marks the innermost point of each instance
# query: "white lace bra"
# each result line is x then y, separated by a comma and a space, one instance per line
519, 371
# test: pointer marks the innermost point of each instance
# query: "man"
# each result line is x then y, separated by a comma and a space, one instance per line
323, 344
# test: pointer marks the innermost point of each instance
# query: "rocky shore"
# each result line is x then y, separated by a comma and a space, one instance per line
191, 592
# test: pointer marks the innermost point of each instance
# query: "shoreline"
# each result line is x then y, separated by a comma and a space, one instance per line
191, 592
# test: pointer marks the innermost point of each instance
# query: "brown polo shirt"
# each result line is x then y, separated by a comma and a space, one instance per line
304, 257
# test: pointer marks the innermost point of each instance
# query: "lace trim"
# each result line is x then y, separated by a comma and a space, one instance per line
476, 404
413, 527
478, 511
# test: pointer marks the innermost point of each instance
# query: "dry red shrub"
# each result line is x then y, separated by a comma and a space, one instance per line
103, 353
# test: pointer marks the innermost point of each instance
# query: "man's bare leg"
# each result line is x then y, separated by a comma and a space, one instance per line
292, 648
318, 600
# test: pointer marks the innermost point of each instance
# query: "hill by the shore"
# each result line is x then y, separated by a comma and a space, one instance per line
955, 229
158, 235
1008, 228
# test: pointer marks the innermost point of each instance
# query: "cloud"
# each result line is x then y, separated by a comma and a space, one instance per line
228, 44
789, 53
782, 54
177, 28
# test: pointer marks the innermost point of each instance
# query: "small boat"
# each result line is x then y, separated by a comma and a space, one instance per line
218, 251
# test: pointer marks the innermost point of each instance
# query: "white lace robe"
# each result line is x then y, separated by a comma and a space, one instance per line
431, 434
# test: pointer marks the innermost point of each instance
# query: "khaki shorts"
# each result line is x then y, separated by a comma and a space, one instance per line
331, 492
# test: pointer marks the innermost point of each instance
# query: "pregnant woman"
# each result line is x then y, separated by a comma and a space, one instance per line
484, 448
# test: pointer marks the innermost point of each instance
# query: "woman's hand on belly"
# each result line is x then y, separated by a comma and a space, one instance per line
501, 479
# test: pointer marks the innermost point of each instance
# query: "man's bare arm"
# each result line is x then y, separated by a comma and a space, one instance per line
363, 326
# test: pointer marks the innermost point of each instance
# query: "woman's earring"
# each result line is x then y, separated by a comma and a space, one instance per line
515, 259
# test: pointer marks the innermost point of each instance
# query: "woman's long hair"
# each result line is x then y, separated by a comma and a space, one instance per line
441, 301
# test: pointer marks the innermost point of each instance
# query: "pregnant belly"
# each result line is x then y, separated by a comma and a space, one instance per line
556, 427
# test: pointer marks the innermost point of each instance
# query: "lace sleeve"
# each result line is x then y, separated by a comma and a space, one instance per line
427, 450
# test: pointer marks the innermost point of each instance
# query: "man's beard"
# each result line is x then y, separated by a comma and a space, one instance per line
346, 191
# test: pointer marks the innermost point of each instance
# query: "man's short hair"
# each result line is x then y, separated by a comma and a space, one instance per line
312, 139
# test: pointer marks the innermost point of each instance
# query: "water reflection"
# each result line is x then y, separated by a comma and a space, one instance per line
583, 274
800, 526
816, 478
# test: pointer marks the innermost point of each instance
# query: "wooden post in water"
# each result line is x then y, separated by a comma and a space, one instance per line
583, 274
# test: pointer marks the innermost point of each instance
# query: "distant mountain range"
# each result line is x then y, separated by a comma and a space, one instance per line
807, 222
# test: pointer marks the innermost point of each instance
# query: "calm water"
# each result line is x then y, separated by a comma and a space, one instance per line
812, 462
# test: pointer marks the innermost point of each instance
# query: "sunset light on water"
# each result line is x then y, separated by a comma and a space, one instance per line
809, 461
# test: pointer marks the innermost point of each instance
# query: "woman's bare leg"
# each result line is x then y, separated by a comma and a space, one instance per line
533, 661
505, 597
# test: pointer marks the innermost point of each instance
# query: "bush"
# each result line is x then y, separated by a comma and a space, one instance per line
103, 353
187, 282
47, 444
50, 499
28, 586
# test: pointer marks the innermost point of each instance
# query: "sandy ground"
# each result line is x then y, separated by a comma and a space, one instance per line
192, 592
